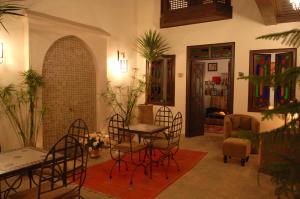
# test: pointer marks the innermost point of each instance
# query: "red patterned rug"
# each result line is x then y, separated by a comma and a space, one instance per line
143, 187
213, 129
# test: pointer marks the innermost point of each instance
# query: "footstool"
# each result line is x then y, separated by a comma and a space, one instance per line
237, 147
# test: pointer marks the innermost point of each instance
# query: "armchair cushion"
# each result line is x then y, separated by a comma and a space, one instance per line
235, 122
245, 123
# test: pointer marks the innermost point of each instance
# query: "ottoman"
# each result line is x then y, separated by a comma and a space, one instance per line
237, 147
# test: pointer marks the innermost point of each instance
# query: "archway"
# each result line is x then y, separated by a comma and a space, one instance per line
69, 92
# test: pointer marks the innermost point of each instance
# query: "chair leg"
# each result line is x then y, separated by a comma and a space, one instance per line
133, 172
177, 165
119, 162
165, 169
139, 155
112, 168
145, 155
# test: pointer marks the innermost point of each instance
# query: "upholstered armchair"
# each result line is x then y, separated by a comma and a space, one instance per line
239, 122
238, 130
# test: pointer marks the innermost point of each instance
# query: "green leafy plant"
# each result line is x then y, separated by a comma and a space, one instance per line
21, 106
123, 98
283, 142
152, 46
9, 8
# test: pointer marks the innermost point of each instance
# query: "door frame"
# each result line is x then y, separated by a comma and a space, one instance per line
188, 79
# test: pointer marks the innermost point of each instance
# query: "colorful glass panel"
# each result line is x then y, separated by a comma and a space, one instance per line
262, 68
282, 92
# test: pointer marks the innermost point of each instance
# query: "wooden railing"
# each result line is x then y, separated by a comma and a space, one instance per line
183, 12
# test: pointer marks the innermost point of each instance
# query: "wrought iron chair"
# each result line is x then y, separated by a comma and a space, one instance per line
122, 145
65, 181
163, 117
80, 131
169, 146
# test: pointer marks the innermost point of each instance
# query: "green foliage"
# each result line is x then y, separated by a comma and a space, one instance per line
152, 46
290, 75
290, 38
283, 143
21, 106
9, 8
122, 99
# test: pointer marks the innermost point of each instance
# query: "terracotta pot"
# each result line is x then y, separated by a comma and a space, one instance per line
95, 153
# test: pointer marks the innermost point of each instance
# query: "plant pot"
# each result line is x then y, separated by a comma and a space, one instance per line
95, 153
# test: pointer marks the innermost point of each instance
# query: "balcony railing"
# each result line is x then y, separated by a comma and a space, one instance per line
183, 12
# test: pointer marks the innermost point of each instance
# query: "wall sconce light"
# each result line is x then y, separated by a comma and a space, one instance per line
1, 53
123, 63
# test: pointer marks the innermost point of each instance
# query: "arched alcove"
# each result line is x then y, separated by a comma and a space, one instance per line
69, 92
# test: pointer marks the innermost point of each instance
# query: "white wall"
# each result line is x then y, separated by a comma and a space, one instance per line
15, 61
22, 49
246, 25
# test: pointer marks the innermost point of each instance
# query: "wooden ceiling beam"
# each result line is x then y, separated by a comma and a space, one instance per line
267, 10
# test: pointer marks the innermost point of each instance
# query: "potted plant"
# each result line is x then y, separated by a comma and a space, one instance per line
95, 143
123, 98
152, 47
22, 108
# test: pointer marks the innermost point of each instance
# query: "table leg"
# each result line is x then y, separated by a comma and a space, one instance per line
150, 149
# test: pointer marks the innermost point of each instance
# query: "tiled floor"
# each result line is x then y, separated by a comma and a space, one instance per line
211, 178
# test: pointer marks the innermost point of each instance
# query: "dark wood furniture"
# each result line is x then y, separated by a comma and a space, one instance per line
184, 12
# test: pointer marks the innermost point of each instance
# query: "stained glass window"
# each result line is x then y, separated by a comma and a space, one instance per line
283, 92
262, 66
264, 63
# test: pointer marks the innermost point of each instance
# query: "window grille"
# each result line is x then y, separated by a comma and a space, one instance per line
178, 4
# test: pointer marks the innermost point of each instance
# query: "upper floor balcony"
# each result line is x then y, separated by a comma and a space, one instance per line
184, 12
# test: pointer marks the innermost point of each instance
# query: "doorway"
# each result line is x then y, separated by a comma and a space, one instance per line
69, 91
207, 83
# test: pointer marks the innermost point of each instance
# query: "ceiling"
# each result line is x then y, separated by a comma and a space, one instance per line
277, 11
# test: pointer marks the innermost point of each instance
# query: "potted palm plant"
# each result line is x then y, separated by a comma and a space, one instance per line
21, 106
152, 47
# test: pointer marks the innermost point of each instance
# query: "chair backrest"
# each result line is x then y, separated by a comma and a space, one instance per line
163, 117
65, 162
175, 129
115, 132
79, 130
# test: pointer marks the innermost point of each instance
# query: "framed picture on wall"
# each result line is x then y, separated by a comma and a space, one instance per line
212, 67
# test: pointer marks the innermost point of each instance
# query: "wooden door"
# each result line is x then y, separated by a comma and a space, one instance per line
196, 102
